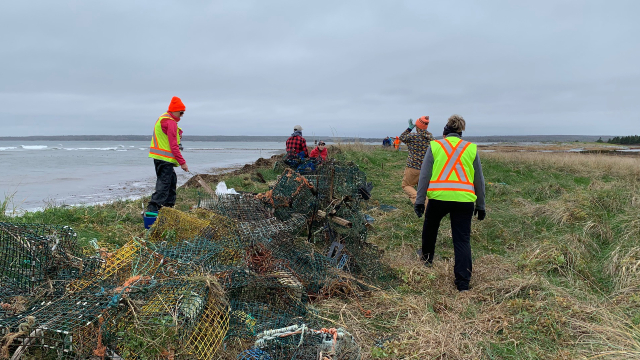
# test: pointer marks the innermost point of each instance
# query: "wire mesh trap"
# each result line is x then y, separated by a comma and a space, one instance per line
228, 272
304, 343
39, 260
180, 318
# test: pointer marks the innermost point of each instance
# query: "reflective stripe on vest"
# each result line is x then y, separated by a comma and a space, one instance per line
452, 176
160, 148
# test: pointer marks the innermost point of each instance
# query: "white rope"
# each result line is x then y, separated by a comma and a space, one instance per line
302, 329
272, 334
268, 335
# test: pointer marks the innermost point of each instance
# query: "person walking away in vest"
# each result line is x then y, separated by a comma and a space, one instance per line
396, 143
451, 175
417, 143
320, 151
165, 152
297, 145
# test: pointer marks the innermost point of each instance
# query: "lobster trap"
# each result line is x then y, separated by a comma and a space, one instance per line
180, 318
241, 207
292, 193
304, 343
234, 268
36, 258
174, 226
65, 327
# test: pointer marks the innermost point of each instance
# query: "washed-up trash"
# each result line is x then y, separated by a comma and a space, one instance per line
387, 208
369, 218
221, 189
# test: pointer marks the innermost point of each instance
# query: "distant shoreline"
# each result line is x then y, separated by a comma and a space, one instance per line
242, 138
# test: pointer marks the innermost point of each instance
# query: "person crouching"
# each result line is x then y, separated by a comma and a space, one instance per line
320, 152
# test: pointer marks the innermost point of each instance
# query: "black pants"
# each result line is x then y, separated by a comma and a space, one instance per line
166, 183
461, 214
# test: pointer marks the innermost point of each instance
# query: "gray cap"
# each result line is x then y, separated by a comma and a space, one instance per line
297, 128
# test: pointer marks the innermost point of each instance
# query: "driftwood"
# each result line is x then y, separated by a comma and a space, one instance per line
205, 186
335, 219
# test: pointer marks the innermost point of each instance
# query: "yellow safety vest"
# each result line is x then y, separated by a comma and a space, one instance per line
453, 173
160, 148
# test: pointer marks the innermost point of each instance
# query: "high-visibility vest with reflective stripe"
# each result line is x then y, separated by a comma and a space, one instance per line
160, 148
453, 174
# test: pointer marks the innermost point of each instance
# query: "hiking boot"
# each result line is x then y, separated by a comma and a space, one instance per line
461, 286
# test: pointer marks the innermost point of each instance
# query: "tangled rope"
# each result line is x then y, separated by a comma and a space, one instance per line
101, 350
332, 333
261, 259
23, 329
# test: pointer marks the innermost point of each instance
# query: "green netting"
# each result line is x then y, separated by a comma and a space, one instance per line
181, 318
270, 253
242, 207
292, 194
39, 260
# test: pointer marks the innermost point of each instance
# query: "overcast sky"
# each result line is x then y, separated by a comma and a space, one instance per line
350, 68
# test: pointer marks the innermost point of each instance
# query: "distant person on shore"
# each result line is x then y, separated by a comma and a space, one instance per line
296, 147
451, 175
417, 143
320, 151
396, 143
386, 142
165, 152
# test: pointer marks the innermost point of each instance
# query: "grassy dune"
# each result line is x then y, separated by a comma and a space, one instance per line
556, 262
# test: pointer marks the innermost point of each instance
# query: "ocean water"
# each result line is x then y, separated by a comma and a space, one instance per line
42, 173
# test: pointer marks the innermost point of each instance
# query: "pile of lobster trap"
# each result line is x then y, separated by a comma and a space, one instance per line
239, 273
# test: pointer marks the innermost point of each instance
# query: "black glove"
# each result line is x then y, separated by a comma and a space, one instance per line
180, 147
419, 209
481, 214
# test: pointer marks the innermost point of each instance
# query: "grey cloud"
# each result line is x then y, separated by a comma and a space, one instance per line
356, 68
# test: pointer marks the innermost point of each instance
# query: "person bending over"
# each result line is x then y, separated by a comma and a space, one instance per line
165, 152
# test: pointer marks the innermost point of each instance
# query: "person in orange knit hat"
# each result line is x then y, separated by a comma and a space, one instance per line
417, 143
165, 151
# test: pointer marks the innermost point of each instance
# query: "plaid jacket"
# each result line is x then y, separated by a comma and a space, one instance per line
418, 143
296, 144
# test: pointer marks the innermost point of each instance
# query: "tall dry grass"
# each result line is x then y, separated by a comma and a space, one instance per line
627, 167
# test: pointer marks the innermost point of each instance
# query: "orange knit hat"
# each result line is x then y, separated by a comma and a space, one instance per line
176, 104
423, 123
